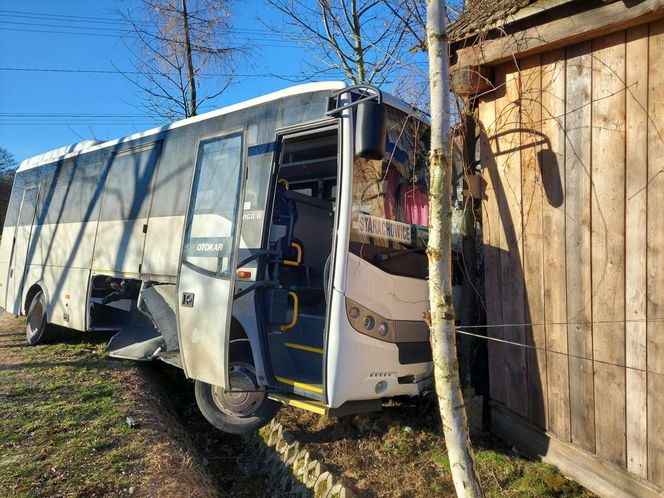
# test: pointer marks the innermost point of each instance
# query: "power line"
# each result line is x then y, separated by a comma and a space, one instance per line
47, 14
298, 77
116, 71
66, 26
67, 114
69, 123
278, 40
99, 20
106, 35
127, 29
123, 26
128, 33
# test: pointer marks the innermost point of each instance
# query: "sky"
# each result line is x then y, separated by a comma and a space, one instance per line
41, 110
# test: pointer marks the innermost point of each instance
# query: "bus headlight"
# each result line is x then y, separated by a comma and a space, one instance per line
383, 329
370, 323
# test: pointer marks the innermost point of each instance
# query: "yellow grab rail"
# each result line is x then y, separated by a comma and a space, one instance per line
298, 258
293, 322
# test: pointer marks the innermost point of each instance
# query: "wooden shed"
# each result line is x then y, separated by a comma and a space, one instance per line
569, 97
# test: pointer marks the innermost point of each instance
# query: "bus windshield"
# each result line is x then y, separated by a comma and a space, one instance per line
390, 210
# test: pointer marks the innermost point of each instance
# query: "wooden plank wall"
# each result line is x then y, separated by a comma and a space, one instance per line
572, 148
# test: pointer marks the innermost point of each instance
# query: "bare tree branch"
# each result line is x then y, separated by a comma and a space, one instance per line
177, 40
363, 39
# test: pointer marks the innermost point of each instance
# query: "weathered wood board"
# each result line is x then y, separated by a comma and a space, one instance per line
655, 263
508, 192
636, 178
577, 235
531, 145
608, 243
552, 164
492, 234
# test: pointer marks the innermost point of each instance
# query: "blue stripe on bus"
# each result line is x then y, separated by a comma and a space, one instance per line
255, 150
398, 154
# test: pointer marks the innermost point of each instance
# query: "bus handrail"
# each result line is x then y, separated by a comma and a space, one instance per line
259, 254
296, 305
253, 287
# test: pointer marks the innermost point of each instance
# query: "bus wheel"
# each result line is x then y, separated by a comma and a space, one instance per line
246, 408
36, 325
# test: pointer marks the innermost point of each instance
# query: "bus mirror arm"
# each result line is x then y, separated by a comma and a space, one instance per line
370, 94
371, 120
253, 287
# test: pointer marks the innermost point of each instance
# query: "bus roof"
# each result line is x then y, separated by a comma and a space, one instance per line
91, 145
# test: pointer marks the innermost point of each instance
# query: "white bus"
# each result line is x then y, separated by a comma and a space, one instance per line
274, 250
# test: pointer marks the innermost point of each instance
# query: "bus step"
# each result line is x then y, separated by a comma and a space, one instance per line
304, 347
135, 343
306, 360
300, 402
306, 388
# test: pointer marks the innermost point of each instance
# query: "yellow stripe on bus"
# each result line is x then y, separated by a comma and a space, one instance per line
318, 408
300, 385
302, 347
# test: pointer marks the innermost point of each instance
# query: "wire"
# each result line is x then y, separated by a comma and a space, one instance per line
101, 20
280, 40
66, 114
105, 35
117, 71
127, 28
460, 330
298, 77
123, 27
36, 125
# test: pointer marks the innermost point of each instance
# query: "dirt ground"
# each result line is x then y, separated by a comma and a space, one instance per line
76, 423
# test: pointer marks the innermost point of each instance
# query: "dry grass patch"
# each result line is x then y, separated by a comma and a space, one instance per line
400, 452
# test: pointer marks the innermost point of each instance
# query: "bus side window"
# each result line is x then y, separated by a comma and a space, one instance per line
209, 239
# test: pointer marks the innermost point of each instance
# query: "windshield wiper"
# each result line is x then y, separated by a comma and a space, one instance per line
392, 255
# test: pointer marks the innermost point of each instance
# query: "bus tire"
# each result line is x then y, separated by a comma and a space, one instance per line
237, 413
36, 324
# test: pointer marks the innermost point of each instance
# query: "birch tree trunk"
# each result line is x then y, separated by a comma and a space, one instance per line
443, 340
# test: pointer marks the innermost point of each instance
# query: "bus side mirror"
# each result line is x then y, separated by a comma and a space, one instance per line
370, 130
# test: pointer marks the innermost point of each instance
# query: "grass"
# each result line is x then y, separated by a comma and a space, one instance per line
400, 452
64, 430
63, 427
510, 475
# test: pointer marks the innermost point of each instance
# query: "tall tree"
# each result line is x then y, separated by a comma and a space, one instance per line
362, 39
8, 166
443, 340
182, 56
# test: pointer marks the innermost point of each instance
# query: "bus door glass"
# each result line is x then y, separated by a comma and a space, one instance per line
21, 247
208, 267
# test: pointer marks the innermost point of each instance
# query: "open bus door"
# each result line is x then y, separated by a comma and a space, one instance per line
207, 270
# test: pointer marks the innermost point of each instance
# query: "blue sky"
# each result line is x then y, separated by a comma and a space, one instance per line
25, 44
